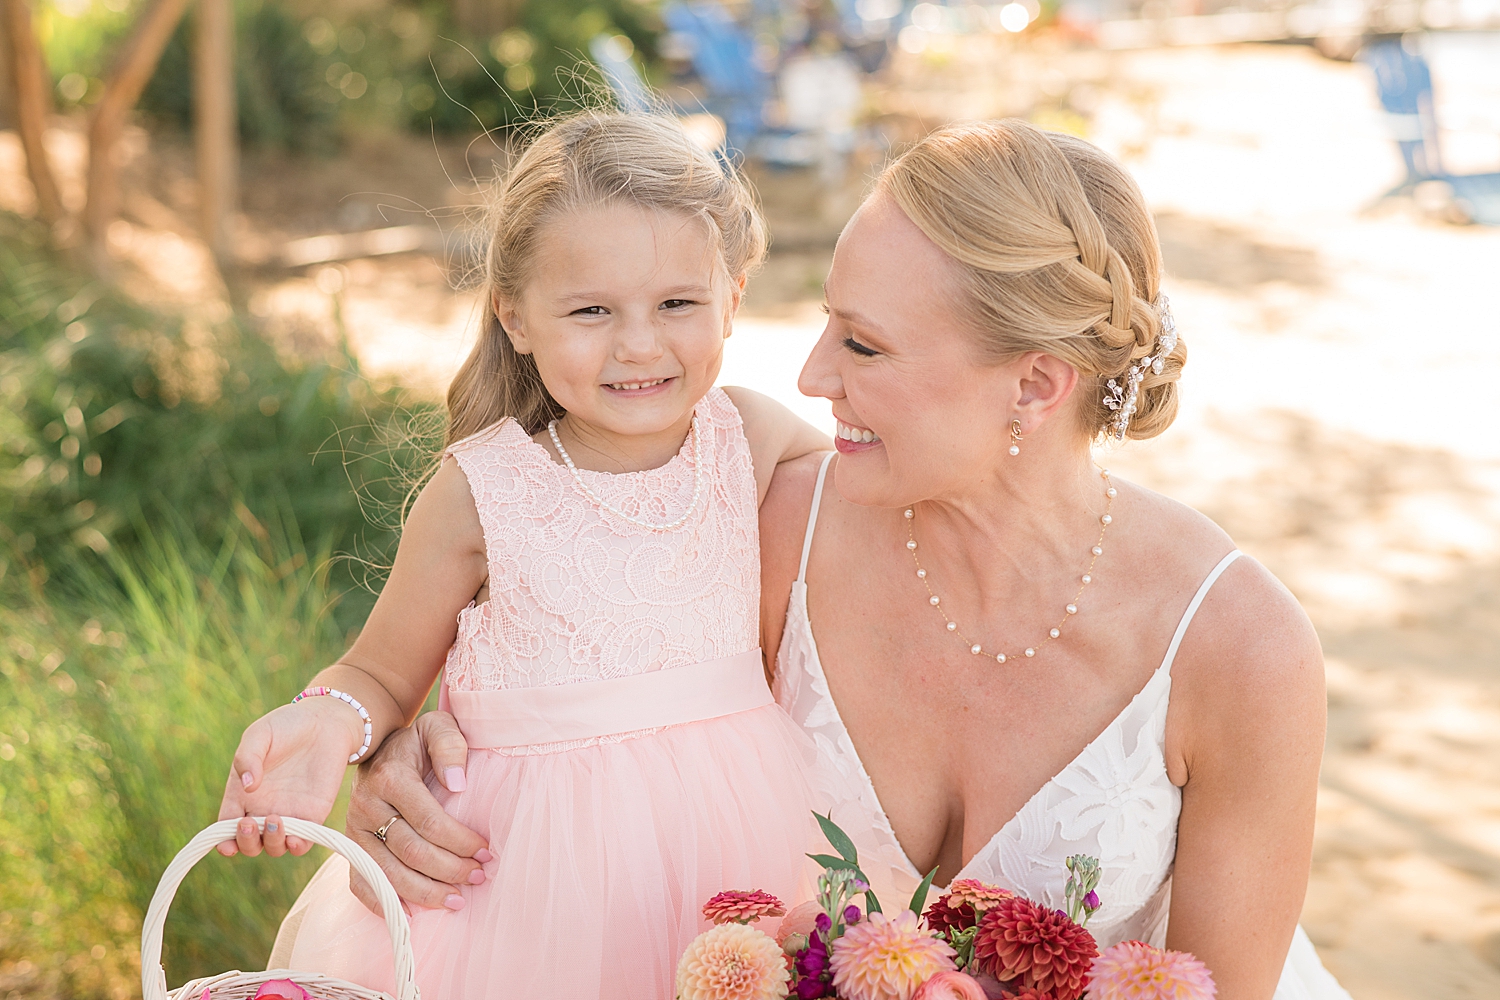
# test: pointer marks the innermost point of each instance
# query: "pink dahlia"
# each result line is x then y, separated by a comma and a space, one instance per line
732, 962
1132, 970
887, 958
737, 906
950, 986
1021, 941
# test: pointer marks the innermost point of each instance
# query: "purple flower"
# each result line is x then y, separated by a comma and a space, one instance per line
811, 989
824, 923
1091, 901
851, 914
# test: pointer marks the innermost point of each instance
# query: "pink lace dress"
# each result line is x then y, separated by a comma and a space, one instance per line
627, 760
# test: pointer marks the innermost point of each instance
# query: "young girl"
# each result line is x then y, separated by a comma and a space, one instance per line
592, 530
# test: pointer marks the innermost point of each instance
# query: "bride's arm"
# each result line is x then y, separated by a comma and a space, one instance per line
1245, 740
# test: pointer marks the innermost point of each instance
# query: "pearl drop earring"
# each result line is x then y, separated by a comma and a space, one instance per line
1015, 437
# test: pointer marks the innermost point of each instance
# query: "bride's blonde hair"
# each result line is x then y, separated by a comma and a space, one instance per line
1056, 252
588, 159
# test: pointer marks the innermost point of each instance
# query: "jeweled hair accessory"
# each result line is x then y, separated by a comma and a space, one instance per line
1121, 398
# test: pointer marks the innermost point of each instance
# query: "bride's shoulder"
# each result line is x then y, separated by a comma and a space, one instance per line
1250, 644
1249, 671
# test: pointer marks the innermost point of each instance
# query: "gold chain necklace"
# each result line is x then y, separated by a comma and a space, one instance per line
1072, 609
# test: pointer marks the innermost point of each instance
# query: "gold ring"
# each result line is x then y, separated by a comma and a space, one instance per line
380, 833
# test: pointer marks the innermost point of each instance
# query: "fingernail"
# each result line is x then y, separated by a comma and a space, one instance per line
271, 828
454, 779
453, 901
476, 877
246, 778
483, 856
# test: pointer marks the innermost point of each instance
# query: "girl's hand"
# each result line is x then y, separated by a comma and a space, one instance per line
290, 762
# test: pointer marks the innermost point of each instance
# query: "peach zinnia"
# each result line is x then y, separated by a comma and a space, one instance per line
887, 958
732, 962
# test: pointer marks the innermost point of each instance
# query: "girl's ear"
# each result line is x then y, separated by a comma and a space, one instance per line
736, 298
510, 321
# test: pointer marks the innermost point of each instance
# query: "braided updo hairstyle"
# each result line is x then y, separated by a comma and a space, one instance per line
1056, 253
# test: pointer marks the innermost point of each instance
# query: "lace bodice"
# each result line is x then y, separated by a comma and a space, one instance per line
578, 594
1114, 801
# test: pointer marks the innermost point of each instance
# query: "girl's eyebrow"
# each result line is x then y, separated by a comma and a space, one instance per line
677, 291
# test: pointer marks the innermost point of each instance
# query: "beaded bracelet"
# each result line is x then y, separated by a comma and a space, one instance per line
352, 703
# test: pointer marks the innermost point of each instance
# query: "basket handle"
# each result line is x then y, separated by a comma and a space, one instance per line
154, 977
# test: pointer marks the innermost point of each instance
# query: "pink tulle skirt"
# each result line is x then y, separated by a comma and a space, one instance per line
603, 858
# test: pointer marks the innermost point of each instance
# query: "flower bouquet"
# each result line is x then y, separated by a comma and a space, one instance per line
975, 942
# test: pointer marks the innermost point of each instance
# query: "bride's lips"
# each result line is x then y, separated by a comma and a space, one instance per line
849, 439
636, 388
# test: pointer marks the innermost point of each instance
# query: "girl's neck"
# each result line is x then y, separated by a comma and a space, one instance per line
599, 450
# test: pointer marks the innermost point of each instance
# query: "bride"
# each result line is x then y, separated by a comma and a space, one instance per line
1004, 655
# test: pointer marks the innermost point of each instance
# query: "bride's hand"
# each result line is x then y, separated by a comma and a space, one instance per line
290, 762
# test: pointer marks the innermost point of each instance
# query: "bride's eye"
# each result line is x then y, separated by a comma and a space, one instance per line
860, 349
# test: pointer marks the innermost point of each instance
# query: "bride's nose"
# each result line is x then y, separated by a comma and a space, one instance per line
820, 375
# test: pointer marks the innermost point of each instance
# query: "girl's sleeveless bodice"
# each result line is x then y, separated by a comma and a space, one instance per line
626, 759
578, 594
1113, 802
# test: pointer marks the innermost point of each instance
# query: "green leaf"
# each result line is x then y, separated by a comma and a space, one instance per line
829, 861
919, 898
872, 905
838, 838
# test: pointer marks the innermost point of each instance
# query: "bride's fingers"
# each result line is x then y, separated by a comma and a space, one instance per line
434, 862
411, 886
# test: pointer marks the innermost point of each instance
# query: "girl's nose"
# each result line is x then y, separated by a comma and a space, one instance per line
637, 342
820, 376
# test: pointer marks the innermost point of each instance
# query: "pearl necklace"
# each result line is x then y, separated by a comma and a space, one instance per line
1072, 609
617, 512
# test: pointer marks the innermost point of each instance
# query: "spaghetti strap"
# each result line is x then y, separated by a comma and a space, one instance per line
1192, 608
812, 517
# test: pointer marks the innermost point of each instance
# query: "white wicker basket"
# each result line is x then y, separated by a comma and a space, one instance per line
242, 985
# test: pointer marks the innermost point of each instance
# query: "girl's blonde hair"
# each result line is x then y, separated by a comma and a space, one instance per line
1056, 253
589, 159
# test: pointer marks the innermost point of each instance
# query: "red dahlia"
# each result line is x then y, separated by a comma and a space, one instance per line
1022, 944
943, 916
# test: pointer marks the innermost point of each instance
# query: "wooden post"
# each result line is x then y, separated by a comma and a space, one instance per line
215, 124
128, 76
33, 89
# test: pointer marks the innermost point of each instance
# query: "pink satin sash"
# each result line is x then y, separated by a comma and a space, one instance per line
526, 716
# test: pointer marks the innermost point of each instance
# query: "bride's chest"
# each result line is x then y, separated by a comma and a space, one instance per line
974, 763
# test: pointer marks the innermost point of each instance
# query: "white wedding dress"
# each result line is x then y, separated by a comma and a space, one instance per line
1113, 802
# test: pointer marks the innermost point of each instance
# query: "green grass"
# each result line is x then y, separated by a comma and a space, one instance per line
175, 502
123, 701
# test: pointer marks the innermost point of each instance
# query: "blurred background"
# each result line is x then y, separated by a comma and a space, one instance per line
236, 238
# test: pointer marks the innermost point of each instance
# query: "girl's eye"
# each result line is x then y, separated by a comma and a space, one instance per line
589, 311
858, 348
678, 303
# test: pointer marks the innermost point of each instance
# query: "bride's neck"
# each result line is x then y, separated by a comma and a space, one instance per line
1019, 524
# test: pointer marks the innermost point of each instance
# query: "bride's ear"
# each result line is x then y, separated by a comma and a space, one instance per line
1046, 385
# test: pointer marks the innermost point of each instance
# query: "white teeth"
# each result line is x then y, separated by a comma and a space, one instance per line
636, 385
859, 435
